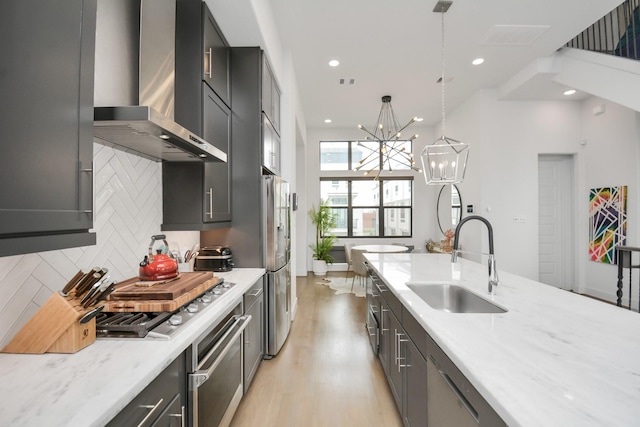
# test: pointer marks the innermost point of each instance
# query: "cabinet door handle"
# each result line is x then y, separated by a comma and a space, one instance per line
255, 293
382, 329
381, 288
210, 193
396, 344
208, 73
400, 357
180, 415
83, 173
153, 409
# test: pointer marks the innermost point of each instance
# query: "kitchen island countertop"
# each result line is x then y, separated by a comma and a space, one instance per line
555, 358
90, 387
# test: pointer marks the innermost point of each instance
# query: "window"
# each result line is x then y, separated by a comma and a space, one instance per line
364, 207
347, 155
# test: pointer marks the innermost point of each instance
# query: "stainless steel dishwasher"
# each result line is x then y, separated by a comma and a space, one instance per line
216, 371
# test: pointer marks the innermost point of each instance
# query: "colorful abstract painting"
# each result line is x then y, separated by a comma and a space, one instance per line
607, 222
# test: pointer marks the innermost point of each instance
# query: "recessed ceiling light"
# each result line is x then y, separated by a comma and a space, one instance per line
418, 119
163, 136
327, 120
569, 92
334, 63
477, 61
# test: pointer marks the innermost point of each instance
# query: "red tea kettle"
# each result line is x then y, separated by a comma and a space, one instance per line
159, 266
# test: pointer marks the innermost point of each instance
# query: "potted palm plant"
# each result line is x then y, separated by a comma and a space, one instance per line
325, 221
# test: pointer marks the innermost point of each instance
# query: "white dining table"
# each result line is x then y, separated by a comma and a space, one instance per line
381, 248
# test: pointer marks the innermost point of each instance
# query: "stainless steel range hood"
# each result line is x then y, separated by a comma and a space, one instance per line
135, 83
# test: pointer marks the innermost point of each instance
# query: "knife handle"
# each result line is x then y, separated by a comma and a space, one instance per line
99, 296
72, 283
82, 288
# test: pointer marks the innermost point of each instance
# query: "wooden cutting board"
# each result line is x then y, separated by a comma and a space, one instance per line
167, 295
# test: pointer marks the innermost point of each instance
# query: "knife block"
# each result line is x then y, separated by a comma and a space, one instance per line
55, 328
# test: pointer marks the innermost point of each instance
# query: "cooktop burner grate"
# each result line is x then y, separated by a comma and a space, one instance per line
128, 324
159, 325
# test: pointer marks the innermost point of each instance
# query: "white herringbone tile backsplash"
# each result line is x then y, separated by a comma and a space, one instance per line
128, 211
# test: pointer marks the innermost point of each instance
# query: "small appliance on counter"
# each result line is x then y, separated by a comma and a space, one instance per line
214, 258
159, 266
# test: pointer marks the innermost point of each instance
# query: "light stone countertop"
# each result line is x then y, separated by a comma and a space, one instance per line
90, 387
554, 359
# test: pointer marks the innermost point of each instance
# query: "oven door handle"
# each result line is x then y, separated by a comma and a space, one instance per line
199, 377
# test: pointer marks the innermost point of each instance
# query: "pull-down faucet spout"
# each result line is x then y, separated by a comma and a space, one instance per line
493, 273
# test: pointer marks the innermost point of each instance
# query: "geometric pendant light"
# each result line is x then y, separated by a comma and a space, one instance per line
391, 144
444, 161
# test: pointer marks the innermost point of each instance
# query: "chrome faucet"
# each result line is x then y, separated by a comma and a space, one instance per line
493, 273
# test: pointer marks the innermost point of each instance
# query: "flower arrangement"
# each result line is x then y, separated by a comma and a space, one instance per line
448, 236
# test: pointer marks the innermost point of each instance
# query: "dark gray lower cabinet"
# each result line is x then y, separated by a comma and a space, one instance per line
161, 403
46, 110
428, 388
452, 400
253, 347
414, 412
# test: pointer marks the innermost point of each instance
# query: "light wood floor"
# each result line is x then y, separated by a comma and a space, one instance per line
325, 374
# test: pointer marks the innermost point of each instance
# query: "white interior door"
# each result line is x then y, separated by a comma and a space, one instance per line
556, 264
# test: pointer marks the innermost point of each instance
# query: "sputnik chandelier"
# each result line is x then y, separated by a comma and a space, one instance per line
391, 148
444, 161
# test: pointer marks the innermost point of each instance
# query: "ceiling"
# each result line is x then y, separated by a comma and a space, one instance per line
393, 47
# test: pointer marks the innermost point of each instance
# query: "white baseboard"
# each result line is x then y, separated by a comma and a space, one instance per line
337, 266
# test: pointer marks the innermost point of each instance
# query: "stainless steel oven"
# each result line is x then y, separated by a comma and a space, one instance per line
215, 374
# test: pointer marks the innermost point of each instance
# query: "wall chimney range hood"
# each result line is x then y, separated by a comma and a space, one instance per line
135, 83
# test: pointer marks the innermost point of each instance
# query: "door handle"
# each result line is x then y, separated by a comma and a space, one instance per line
209, 72
210, 194
152, 408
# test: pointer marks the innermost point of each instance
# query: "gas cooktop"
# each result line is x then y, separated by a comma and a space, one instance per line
158, 325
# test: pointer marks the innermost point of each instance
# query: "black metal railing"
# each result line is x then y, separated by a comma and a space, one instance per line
617, 33
625, 260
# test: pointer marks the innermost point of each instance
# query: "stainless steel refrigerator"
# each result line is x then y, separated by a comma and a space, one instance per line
277, 220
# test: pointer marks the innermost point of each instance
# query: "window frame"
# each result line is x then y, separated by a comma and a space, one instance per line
380, 207
350, 163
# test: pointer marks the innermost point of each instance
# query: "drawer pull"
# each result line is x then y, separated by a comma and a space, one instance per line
153, 409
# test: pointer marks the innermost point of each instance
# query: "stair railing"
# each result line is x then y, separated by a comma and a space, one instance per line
624, 257
617, 33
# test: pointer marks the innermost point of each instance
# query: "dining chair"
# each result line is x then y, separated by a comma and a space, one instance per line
347, 255
358, 265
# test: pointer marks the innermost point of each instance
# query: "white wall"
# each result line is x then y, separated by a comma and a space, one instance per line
506, 138
612, 153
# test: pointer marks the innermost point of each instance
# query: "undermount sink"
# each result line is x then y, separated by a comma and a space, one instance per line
453, 298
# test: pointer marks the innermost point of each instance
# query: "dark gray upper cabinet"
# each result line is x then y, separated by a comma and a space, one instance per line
197, 196
215, 70
46, 109
270, 95
193, 24
217, 128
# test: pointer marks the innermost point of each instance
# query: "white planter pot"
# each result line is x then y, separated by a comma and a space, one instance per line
319, 267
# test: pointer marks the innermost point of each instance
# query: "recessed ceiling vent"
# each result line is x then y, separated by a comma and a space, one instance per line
349, 82
513, 35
